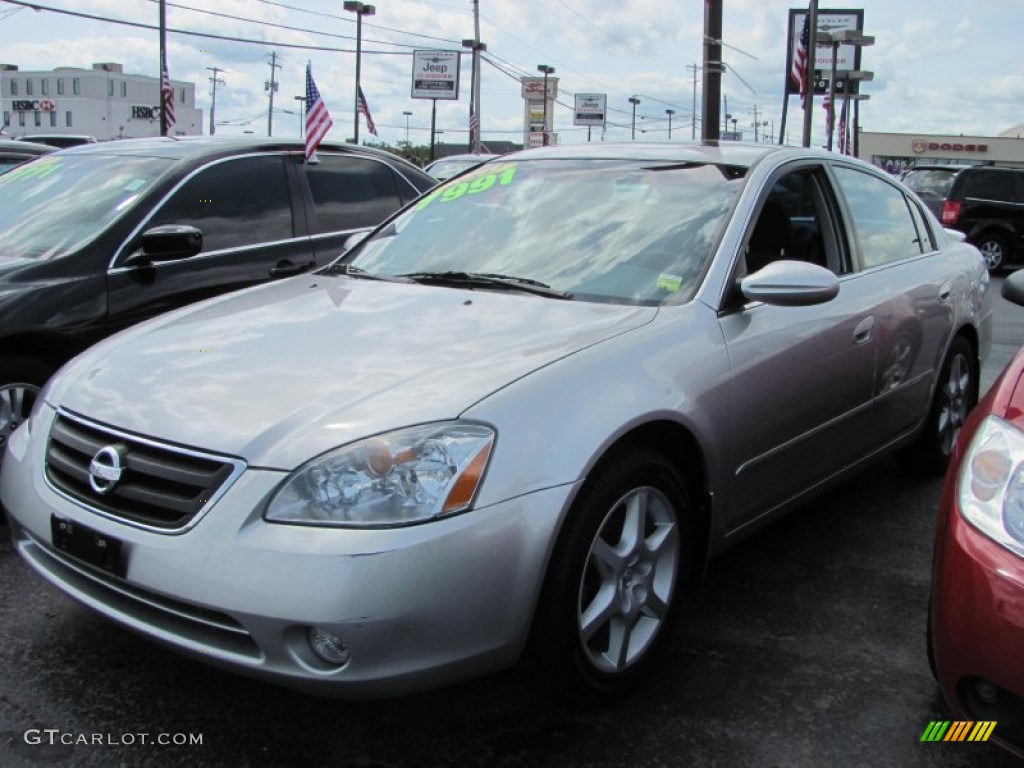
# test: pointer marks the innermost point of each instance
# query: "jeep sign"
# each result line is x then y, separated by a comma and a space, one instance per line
435, 74
590, 109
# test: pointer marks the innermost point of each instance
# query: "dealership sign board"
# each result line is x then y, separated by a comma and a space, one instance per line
435, 74
590, 109
847, 54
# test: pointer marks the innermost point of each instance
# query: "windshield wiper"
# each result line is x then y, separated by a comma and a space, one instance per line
488, 280
350, 270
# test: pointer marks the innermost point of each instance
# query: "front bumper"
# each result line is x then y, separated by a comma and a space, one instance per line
416, 607
977, 614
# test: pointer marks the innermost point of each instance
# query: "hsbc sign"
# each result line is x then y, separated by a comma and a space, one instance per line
42, 105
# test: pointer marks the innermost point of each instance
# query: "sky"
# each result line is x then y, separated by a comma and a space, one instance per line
939, 68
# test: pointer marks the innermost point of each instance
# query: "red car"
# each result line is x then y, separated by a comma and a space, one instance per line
976, 616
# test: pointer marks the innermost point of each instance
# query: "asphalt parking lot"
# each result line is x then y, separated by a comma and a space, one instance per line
806, 649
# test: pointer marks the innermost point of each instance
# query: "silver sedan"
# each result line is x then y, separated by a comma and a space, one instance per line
513, 422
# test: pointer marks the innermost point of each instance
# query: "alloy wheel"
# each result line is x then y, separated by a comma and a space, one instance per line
955, 403
628, 579
16, 402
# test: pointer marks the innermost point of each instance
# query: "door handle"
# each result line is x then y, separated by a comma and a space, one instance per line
864, 330
286, 268
945, 291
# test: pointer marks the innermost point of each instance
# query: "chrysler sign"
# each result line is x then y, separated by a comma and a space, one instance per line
435, 75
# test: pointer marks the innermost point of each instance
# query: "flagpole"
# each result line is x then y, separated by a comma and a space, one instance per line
163, 64
812, 59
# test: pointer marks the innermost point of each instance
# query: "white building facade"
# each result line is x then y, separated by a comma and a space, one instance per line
103, 102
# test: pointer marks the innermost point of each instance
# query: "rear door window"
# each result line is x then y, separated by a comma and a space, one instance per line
884, 226
351, 193
990, 185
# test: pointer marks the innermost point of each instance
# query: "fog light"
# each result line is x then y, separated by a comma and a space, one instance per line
987, 692
328, 646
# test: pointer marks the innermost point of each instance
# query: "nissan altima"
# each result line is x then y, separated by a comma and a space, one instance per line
513, 422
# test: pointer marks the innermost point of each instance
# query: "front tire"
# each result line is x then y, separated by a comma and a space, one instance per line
609, 599
20, 382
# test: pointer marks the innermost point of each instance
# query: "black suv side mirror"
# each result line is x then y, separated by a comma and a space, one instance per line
169, 242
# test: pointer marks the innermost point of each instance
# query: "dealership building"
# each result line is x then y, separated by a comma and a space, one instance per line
103, 102
898, 151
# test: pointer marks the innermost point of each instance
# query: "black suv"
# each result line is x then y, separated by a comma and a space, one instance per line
101, 236
984, 202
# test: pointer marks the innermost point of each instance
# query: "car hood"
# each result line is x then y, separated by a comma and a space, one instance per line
283, 372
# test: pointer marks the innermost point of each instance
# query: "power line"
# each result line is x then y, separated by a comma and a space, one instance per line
207, 35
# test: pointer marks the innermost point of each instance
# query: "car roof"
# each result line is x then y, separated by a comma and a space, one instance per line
25, 147
203, 147
725, 152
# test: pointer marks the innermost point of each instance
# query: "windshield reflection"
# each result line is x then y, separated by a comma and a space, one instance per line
619, 231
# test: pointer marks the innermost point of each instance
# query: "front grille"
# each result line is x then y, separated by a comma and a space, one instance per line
160, 486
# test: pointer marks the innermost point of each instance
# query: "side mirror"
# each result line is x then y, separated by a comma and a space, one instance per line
169, 242
1013, 287
787, 283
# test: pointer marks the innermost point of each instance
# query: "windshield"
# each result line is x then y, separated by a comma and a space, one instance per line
600, 230
56, 203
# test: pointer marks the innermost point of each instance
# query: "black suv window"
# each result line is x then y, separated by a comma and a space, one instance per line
238, 202
989, 185
350, 193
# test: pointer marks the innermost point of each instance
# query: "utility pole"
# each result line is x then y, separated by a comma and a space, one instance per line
213, 103
163, 65
474, 89
271, 86
693, 114
812, 58
713, 69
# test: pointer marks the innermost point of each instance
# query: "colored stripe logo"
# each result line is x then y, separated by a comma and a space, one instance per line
958, 730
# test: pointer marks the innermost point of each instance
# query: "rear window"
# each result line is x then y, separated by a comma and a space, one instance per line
930, 182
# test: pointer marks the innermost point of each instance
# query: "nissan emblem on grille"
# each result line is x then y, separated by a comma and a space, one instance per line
105, 469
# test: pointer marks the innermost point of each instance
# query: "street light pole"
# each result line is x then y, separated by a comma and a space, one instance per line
670, 112
634, 101
302, 116
407, 114
360, 10
547, 71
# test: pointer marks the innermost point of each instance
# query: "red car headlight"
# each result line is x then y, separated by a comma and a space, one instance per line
990, 488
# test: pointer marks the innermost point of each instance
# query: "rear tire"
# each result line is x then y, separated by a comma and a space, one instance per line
610, 595
994, 249
956, 393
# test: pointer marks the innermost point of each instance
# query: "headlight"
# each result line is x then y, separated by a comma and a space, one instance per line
991, 483
402, 477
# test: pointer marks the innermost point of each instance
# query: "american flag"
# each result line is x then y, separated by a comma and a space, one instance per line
798, 73
167, 96
364, 108
318, 120
826, 104
474, 128
844, 130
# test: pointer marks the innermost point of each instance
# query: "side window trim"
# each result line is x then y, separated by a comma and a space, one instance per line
144, 222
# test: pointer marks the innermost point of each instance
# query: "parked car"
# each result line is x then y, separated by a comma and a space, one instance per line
97, 237
521, 415
444, 168
13, 153
986, 203
976, 616
931, 183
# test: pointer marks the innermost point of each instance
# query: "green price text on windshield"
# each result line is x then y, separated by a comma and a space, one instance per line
38, 169
471, 184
